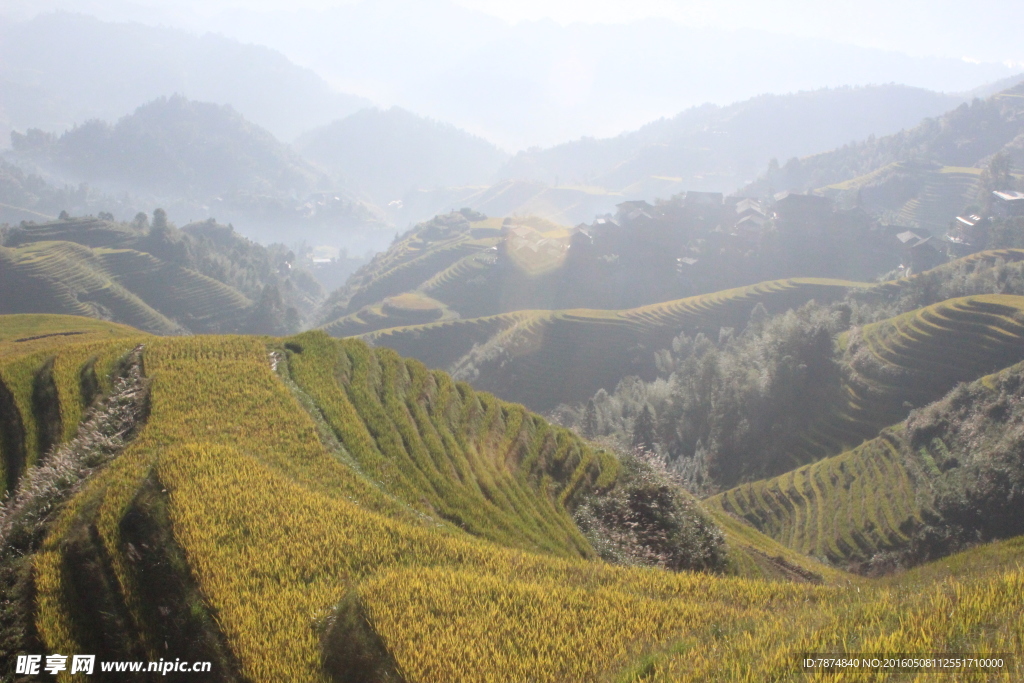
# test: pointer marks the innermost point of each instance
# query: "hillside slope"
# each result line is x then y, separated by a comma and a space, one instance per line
920, 177
202, 278
464, 265
907, 362
543, 358
232, 528
944, 478
714, 148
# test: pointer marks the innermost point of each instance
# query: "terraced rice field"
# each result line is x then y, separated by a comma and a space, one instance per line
63, 277
917, 357
414, 450
122, 284
407, 268
543, 358
844, 508
910, 361
89, 232
463, 269
467, 285
28, 333
874, 497
316, 564
173, 290
46, 364
946, 192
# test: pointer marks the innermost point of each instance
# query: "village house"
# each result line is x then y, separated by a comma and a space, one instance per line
919, 252
633, 210
1008, 204
968, 233
802, 209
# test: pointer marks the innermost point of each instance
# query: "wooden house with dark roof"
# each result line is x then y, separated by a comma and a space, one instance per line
920, 251
793, 207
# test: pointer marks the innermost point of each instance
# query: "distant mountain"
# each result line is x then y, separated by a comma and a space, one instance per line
195, 159
963, 137
706, 148
920, 177
174, 146
60, 69
389, 153
716, 148
542, 83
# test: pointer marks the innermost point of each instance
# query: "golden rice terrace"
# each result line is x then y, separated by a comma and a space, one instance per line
310, 509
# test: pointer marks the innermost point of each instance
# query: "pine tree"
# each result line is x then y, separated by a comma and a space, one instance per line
644, 435
590, 426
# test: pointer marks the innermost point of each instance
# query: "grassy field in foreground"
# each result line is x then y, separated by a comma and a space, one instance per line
38, 382
287, 542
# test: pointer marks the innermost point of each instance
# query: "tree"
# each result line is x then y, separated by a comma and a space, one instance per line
644, 436
159, 220
997, 176
590, 425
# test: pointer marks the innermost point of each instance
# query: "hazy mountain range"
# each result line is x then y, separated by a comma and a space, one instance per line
201, 160
352, 165
388, 153
541, 83
91, 69
522, 85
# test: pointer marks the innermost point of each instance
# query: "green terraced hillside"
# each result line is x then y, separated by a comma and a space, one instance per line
942, 478
907, 362
944, 195
67, 278
915, 195
51, 368
543, 358
916, 357
26, 334
124, 285
150, 278
87, 231
417, 257
411, 429
844, 508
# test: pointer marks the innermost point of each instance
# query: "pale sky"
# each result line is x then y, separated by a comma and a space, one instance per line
987, 30
983, 30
